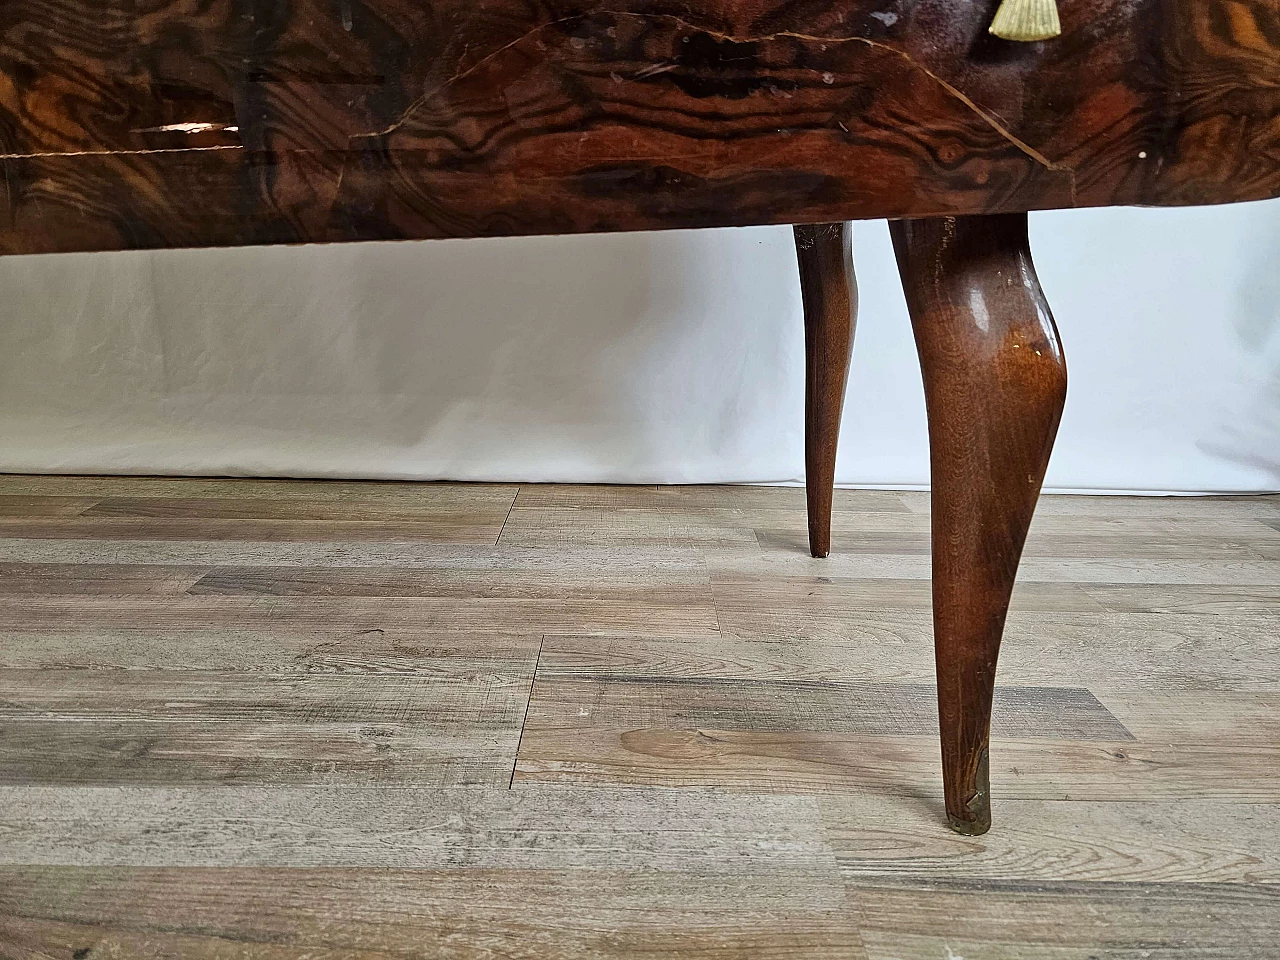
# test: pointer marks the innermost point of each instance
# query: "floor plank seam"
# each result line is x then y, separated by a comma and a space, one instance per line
515, 761
715, 601
511, 507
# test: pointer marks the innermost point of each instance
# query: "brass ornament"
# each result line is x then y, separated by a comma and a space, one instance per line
1027, 20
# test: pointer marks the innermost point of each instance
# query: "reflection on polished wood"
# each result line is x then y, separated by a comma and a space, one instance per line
994, 385
155, 123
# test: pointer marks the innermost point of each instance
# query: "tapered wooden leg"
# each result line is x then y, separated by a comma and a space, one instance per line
830, 294
995, 383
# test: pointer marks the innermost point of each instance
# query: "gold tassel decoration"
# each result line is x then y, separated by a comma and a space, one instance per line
1027, 20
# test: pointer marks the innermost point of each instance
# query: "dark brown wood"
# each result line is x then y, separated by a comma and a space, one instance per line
157, 123
830, 293
995, 382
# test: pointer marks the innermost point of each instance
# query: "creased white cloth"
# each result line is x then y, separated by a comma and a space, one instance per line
659, 357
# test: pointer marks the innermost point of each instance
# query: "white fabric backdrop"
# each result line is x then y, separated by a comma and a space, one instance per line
671, 357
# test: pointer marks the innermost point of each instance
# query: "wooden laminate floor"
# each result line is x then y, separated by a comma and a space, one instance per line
278, 719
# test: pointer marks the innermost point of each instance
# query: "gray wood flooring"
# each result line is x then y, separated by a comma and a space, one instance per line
297, 719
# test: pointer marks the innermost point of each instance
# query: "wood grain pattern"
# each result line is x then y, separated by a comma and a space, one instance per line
357, 553
1068, 921
450, 724
365, 494
538, 827
798, 761
20, 506
340, 616
313, 120
699, 498
636, 701
203, 750
674, 587
380, 914
1215, 654
1195, 841
337, 748
440, 512
460, 527
994, 385
37, 579
1254, 570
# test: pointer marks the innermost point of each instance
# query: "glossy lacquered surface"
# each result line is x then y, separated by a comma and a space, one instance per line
994, 383
159, 123
829, 289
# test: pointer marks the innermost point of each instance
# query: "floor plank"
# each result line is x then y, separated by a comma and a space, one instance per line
90, 579
669, 613
1189, 841
1012, 920
185, 752
25, 507
365, 492
638, 701
1237, 771
538, 827
208, 913
687, 586
460, 527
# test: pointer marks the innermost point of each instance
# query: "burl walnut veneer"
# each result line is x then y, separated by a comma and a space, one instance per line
128, 124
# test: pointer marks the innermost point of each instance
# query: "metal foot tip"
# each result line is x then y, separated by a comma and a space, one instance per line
970, 828
978, 806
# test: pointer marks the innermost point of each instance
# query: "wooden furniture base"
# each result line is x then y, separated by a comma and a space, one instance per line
995, 382
127, 125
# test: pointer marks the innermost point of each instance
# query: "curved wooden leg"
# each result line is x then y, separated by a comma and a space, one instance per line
995, 383
830, 294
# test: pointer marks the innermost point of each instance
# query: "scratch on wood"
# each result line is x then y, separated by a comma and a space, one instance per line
116, 153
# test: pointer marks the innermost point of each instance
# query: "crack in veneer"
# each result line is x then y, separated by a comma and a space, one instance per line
139, 152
